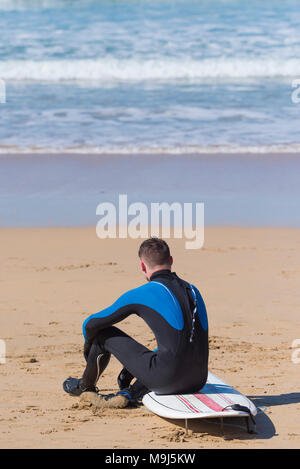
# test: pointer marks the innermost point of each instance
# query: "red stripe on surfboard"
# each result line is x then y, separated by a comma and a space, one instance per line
225, 398
188, 404
209, 402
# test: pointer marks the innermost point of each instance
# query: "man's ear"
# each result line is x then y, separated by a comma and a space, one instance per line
143, 267
171, 260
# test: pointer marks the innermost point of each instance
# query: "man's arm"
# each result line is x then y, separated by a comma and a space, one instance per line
201, 309
118, 311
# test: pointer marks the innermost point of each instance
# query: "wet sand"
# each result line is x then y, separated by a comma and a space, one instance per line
259, 189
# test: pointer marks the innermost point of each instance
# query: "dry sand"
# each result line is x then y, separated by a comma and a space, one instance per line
52, 278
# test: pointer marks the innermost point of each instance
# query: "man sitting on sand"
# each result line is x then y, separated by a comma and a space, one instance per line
176, 313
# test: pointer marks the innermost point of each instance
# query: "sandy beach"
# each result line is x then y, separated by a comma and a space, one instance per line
53, 278
192, 107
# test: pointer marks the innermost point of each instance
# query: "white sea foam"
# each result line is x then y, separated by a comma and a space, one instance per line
152, 150
135, 70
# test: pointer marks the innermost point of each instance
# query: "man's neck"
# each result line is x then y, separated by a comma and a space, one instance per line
160, 270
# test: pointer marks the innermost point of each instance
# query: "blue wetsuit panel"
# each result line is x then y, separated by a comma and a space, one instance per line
201, 309
154, 295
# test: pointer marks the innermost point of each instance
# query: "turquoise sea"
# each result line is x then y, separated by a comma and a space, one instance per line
149, 76
156, 80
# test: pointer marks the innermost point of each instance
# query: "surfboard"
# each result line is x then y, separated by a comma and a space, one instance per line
215, 399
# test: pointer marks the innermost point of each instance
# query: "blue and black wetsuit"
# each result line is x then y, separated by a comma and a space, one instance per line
176, 313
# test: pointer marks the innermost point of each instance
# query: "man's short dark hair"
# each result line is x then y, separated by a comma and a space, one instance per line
155, 251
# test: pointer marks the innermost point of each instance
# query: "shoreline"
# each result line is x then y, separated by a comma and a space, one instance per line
155, 154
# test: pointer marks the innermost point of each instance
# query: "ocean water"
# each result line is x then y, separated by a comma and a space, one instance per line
141, 76
194, 96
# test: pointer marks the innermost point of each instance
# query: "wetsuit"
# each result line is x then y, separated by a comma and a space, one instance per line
176, 313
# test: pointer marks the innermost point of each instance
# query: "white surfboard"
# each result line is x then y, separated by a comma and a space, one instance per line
215, 399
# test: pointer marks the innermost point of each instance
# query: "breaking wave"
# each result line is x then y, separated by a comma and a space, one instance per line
135, 70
